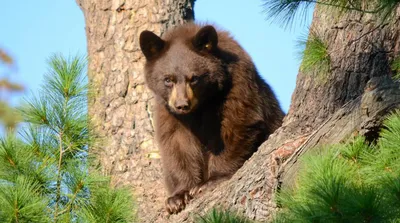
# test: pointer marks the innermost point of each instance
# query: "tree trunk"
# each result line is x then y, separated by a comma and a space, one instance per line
354, 98
121, 105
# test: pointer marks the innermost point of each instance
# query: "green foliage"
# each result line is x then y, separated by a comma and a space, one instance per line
285, 12
396, 68
355, 149
22, 201
315, 56
44, 173
222, 216
108, 205
351, 182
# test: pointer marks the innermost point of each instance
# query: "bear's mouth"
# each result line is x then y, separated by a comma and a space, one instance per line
182, 112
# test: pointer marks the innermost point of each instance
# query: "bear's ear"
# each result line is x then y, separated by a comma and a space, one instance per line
206, 39
150, 44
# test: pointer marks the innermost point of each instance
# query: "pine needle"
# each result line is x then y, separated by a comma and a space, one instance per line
353, 182
44, 174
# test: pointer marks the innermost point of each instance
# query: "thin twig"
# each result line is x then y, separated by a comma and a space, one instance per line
16, 211
58, 192
71, 201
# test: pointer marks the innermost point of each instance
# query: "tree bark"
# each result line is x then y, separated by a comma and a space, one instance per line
120, 105
355, 97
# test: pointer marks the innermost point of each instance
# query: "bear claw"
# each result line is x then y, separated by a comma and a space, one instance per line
177, 202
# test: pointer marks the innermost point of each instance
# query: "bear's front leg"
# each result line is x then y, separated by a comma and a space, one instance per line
182, 172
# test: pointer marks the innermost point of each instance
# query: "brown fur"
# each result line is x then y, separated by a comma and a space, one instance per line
213, 109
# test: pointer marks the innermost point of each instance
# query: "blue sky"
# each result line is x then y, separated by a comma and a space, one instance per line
31, 31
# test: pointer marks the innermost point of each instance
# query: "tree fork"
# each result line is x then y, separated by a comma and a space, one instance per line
355, 99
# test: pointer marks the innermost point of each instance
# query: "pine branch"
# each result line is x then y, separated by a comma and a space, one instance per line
315, 55
21, 202
352, 182
287, 10
53, 155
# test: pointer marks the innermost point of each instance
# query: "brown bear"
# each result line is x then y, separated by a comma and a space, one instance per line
213, 110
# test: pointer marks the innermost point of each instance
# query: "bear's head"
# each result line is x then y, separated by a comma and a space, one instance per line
184, 69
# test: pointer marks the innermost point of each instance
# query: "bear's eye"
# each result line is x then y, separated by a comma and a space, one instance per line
168, 81
195, 79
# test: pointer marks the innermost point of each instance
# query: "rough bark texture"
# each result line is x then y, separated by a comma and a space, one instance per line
357, 94
251, 190
360, 47
122, 105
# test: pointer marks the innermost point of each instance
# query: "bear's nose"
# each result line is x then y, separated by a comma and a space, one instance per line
182, 105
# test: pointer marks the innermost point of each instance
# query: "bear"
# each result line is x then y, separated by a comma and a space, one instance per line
212, 111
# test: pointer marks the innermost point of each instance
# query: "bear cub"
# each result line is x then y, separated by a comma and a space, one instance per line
212, 112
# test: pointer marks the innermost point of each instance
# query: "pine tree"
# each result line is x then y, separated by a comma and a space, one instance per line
222, 216
44, 169
286, 12
352, 182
